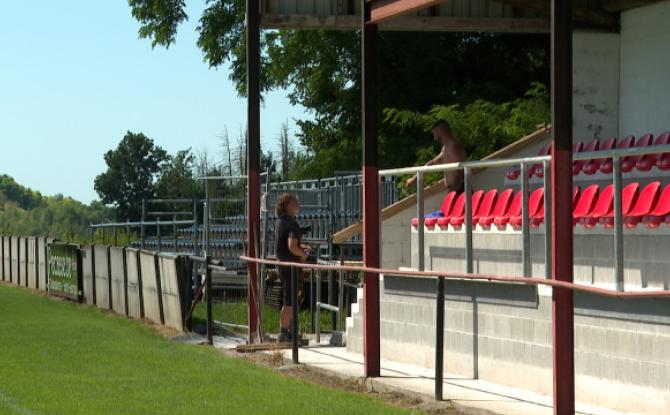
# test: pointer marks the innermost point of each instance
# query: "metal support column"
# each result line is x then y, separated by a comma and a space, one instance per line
419, 216
371, 220
209, 298
525, 225
253, 155
294, 315
547, 219
561, 180
467, 187
439, 339
618, 224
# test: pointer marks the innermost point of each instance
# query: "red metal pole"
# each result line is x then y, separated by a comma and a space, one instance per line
253, 155
371, 220
561, 199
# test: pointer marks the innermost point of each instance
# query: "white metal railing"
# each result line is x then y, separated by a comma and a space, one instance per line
617, 156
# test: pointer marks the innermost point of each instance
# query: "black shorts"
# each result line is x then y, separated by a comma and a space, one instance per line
285, 278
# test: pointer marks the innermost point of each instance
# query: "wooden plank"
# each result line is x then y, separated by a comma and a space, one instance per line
410, 23
387, 9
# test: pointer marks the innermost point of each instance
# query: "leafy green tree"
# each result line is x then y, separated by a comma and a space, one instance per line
176, 176
132, 169
417, 71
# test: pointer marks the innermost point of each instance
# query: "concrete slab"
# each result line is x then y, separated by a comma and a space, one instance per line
469, 395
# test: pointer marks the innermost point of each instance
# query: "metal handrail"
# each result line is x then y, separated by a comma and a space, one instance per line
467, 276
464, 164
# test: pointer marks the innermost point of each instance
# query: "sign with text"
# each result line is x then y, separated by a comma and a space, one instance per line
65, 270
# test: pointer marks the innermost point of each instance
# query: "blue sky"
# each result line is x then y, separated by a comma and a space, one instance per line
74, 77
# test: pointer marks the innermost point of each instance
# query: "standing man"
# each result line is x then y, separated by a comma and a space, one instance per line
452, 152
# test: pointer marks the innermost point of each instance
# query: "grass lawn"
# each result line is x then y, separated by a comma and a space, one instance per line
62, 358
236, 313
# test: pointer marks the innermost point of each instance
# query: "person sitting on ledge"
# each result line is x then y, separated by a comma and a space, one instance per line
288, 247
452, 152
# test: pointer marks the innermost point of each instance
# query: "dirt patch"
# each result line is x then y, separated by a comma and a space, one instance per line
277, 362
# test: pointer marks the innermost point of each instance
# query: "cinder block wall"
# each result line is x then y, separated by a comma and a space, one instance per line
502, 333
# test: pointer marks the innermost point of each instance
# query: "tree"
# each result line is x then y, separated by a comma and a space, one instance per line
286, 152
176, 176
227, 152
132, 169
323, 70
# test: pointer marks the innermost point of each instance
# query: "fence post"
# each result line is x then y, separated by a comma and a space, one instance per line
208, 290
439, 339
419, 218
294, 314
525, 225
467, 187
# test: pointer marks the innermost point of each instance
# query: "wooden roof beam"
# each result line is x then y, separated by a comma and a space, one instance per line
387, 9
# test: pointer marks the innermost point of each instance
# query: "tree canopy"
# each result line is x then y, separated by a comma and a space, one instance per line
321, 71
132, 169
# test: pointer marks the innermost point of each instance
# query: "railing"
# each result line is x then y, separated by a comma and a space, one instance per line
440, 278
617, 156
467, 168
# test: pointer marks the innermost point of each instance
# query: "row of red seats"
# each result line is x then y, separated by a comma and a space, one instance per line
643, 163
649, 205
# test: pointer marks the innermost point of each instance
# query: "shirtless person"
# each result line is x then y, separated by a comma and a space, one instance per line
452, 152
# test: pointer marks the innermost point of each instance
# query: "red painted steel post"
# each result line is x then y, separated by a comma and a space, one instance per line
253, 155
371, 206
561, 199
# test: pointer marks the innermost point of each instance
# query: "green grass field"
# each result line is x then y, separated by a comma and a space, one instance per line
236, 313
61, 358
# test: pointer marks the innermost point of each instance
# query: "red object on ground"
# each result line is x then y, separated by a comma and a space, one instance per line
513, 211
662, 210
602, 207
646, 202
608, 165
593, 165
500, 209
578, 165
629, 162
628, 199
457, 221
650, 160
585, 203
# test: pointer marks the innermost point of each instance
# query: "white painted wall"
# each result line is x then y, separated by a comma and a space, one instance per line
595, 104
645, 79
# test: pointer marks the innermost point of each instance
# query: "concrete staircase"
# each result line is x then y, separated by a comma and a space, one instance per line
354, 324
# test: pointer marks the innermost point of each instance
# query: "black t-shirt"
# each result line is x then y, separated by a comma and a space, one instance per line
285, 227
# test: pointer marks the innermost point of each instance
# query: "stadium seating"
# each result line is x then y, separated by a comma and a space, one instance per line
608, 164
535, 203
661, 212
629, 162
646, 201
500, 209
592, 166
538, 169
629, 196
585, 203
577, 165
513, 211
650, 160
458, 220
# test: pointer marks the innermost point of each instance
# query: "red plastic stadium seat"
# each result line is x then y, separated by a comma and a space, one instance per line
585, 203
649, 160
608, 165
445, 208
485, 206
629, 162
456, 210
578, 165
500, 209
535, 202
646, 202
513, 211
592, 166
537, 169
662, 210
458, 221
602, 207
538, 218
628, 199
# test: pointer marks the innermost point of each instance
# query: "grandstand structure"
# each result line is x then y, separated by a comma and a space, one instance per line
590, 210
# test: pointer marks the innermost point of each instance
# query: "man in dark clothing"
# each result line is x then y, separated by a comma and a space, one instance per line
289, 248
